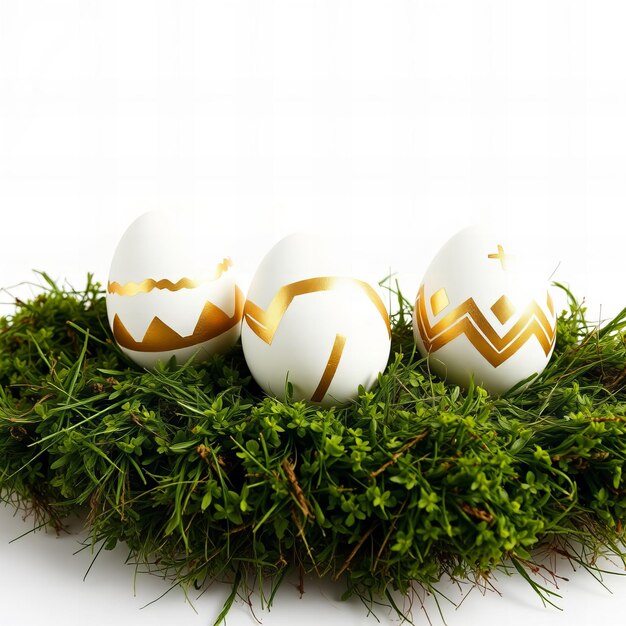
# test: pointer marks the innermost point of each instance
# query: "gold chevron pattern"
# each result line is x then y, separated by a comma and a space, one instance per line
264, 323
467, 319
159, 337
145, 286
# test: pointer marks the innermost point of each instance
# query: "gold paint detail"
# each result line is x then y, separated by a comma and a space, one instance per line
500, 255
503, 309
264, 322
145, 286
330, 369
550, 304
468, 320
439, 301
161, 338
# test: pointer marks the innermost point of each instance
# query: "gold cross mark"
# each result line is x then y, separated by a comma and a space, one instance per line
500, 255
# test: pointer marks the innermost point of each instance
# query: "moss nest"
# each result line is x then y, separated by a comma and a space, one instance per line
203, 477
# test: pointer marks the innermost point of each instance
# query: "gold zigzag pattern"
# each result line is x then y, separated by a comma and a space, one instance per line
161, 338
145, 286
264, 323
467, 319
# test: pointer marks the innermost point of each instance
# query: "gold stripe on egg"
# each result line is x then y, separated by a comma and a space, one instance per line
146, 286
330, 369
264, 322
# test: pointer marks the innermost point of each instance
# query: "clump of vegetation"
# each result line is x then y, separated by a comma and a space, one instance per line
205, 478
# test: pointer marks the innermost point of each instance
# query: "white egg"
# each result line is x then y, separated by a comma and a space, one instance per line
309, 322
483, 311
167, 297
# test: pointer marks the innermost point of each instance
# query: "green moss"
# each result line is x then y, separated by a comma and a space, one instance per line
199, 473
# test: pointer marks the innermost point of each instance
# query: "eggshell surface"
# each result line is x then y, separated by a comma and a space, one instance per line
167, 297
482, 311
310, 323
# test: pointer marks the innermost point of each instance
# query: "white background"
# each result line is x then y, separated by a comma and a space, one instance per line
393, 124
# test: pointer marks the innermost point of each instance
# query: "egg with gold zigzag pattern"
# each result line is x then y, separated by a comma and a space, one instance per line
168, 297
483, 312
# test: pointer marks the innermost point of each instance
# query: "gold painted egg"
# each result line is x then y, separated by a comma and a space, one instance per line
312, 324
168, 298
482, 311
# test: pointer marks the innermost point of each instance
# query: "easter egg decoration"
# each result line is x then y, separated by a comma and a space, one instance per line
482, 311
311, 325
166, 297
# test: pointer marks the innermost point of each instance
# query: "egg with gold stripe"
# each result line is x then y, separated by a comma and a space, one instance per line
169, 297
311, 325
483, 311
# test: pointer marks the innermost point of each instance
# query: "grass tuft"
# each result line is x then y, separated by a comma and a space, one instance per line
204, 478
